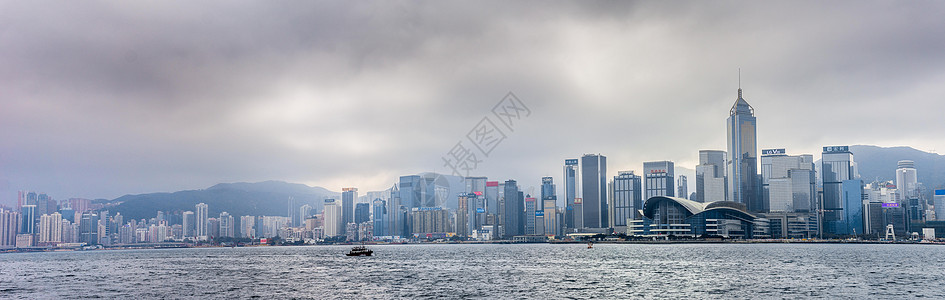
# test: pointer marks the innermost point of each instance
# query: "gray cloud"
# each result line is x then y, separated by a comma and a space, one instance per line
104, 99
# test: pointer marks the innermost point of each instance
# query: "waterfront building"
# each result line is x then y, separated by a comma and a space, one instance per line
351, 232
570, 193
711, 184
88, 228
594, 190
9, 225
907, 182
671, 216
463, 214
626, 198
293, 211
348, 197
492, 203
213, 228
396, 213
531, 206
742, 164
477, 186
248, 227
380, 217
28, 219
50, 229
366, 231
837, 166
200, 227
334, 224
852, 197
788, 182
659, 177
682, 187
547, 191
513, 216
429, 222
227, 225
188, 222
126, 234
550, 216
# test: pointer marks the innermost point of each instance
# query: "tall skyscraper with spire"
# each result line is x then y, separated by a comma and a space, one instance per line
743, 179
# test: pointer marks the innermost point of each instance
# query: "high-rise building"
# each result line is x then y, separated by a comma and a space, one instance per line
248, 227
682, 187
513, 216
479, 213
334, 225
743, 155
88, 228
552, 225
594, 190
9, 224
492, 203
227, 225
293, 211
531, 206
396, 213
837, 166
659, 178
463, 222
28, 219
787, 182
570, 192
200, 227
547, 191
711, 184
626, 198
188, 222
348, 197
907, 183
305, 211
50, 229
939, 201
852, 219
428, 222
362, 213
380, 217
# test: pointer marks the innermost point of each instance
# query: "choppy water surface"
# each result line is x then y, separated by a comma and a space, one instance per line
484, 271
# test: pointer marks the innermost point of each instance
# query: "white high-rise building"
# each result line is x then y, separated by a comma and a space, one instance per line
248, 227
333, 219
710, 177
227, 226
907, 183
202, 218
50, 228
788, 183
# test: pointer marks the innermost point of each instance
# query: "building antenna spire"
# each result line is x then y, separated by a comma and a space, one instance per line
739, 78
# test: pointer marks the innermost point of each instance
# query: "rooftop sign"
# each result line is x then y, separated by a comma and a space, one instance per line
836, 149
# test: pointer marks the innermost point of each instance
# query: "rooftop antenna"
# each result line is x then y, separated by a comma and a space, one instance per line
739, 78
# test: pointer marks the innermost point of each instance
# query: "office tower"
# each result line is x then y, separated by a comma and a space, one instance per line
67, 214
513, 216
410, 191
396, 217
594, 190
743, 155
658, 177
477, 186
711, 184
88, 228
380, 217
248, 227
682, 187
907, 183
104, 234
531, 206
787, 182
348, 196
492, 203
939, 201
837, 166
570, 192
227, 225
852, 194
50, 229
334, 225
304, 212
547, 191
463, 227
188, 222
27, 219
213, 228
429, 222
550, 217
9, 224
626, 199
362, 212
200, 227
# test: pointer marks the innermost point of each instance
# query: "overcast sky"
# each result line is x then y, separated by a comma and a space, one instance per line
98, 100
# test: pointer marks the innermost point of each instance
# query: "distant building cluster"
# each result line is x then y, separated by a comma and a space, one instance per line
788, 197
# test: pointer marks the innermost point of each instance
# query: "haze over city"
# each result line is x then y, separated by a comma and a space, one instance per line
101, 100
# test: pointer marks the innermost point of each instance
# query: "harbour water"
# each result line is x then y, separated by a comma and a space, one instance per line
526, 271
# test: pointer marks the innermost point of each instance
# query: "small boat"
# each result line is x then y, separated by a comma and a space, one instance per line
360, 251
590, 245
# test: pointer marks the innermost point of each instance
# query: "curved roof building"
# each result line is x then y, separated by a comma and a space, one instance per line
664, 216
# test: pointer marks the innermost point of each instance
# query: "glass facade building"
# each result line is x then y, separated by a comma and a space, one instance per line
743, 155
659, 177
626, 197
594, 190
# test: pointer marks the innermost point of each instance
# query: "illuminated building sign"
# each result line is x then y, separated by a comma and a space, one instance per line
836, 149
772, 151
939, 192
480, 210
492, 183
478, 193
578, 200
890, 205
657, 171
570, 162
539, 213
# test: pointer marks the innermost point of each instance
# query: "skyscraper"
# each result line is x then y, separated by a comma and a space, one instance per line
362, 213
50, 229
570, 192
28, 217
380, 217
787, 182
626, 198
200, 227
333, 222
227, 225
907, 185
711, 184
514, 210
348, 196
682, 187
837, 166
248, 227
939, 200
743, 155
547, 190
293, 211
530, 218
659, 178
594, 190
188, 223
9, 224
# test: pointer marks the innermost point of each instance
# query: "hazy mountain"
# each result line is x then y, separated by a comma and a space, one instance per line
238, 199
880, 163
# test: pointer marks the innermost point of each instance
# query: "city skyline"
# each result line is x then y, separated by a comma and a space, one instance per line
126, 113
